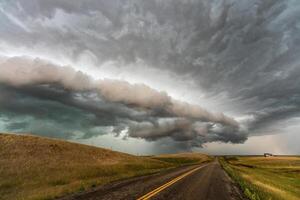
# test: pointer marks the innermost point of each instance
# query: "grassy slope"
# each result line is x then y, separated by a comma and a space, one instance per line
40, 168
275, 178
184, 158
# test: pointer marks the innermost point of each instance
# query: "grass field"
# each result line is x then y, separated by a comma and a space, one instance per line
36, 168
271, 178
184, 158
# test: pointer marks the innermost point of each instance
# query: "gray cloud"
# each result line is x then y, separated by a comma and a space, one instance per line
43, 90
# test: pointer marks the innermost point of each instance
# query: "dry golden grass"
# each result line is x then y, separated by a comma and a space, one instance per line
275, 178
276, 191
34, 168
185, 155
184, 158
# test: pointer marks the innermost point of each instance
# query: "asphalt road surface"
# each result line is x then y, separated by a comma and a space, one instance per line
198, 182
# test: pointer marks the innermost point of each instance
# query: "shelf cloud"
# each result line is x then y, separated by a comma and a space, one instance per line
142, 111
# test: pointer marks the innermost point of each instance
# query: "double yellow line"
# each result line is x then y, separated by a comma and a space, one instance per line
159, 189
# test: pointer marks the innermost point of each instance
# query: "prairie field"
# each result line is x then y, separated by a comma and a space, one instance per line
183, 158
37, 168
265, 178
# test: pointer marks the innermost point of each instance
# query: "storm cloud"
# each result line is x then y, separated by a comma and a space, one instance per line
235, 57
143, 111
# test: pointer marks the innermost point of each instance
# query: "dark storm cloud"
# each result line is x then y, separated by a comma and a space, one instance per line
46, 92
248, 50
26, 112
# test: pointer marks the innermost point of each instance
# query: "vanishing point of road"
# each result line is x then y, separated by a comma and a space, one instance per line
198, 182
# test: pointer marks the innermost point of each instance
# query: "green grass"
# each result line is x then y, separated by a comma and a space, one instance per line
37, 168
273, 178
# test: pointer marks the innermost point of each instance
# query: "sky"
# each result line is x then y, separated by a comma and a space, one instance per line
153, 76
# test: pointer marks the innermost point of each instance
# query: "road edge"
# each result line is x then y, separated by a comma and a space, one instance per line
235, 186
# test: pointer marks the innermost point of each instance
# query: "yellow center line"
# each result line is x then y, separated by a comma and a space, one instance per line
159, 189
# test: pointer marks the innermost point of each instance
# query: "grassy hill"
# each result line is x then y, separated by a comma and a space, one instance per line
34, 167
40, 168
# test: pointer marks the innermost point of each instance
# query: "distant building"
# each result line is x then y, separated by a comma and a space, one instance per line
268, 154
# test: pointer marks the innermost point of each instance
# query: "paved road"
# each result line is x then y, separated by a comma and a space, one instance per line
205, 182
